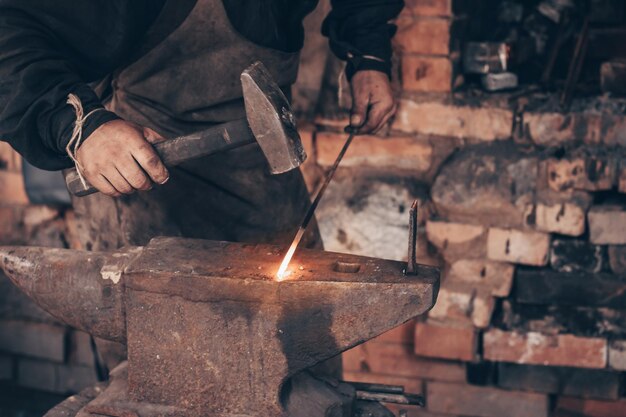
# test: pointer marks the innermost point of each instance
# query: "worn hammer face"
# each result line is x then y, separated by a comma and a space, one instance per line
271, 120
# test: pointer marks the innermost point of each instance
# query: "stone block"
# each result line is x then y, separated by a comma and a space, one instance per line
487, 184
518, 246
463, 305
368, 214
607, 225
565, 218
497, 277
617, 355
540, 349
457, 240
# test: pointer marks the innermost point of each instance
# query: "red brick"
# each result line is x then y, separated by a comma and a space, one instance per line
429, 36
372, 151
411, 385
399, 360
403, 334
427, 74
463, 122
592, 408
430, 7
9, 159
540, 349
476, 401
517, 246
497, 277
12, 188
445, 342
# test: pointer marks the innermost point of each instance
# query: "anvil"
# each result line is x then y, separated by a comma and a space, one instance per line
209, 329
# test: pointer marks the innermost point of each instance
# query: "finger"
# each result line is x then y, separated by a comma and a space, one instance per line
152, 136
386, 119
104, 186
118, 181
374, 117
359, 109
134, 175
148, 159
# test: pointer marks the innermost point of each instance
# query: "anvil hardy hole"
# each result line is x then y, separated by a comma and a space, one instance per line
346, 267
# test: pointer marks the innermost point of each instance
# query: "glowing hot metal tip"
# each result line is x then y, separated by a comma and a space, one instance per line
282, 271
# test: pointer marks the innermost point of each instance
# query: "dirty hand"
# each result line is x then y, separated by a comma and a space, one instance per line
117, 158
373, 103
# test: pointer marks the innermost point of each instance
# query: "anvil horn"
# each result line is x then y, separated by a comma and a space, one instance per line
82, 289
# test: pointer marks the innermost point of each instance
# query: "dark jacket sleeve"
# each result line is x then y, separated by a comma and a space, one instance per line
49, 49
360, 32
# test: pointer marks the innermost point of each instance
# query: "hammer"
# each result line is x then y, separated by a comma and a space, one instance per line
269, 121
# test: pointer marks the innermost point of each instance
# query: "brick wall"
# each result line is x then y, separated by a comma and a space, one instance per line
36, 352
519, 206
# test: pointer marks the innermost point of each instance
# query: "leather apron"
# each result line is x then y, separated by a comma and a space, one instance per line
185, 83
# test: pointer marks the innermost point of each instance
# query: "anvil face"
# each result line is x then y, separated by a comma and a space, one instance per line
208, 323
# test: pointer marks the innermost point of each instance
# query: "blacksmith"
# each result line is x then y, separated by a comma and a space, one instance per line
143, 70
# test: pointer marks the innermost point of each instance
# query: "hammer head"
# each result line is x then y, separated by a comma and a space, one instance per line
271, 120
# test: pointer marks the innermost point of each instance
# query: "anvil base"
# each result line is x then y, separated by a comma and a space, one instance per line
324, 397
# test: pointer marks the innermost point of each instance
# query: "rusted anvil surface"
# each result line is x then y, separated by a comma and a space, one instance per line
209, 328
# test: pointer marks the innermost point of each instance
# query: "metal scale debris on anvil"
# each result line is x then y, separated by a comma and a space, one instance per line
211, 331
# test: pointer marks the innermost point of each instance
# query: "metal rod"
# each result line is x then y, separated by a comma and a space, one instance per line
407, 399
309, 213
371, 387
